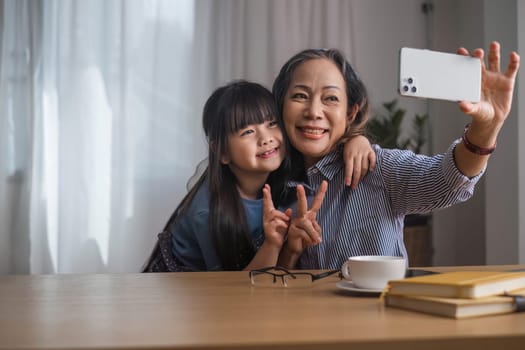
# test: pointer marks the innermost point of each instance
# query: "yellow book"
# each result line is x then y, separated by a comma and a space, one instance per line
459, 284
460, 307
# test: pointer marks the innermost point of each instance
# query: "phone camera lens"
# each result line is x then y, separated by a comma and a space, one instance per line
405, 88
414, 89
410, 80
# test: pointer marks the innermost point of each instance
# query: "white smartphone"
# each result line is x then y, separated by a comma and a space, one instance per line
439, 75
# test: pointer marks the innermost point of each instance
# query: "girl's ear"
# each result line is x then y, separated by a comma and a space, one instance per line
352, 113
225, 159
212, 149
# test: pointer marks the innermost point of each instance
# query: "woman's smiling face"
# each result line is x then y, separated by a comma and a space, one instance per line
315, 109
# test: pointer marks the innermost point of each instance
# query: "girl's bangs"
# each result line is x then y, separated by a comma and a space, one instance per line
247, 109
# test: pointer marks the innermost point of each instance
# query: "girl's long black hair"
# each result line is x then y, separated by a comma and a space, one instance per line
228, 109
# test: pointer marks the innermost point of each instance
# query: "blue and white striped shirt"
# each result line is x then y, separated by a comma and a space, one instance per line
369, 220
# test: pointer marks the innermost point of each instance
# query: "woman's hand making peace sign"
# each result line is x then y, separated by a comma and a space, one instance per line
304, 230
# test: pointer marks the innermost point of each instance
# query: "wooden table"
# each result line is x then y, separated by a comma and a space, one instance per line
221, 310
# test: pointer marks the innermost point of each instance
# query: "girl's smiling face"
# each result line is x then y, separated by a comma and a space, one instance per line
315, 109
255, 149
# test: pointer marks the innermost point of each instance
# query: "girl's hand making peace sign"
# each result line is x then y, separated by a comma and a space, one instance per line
275, 222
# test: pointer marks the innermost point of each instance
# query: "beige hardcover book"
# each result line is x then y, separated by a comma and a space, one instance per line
459, 284
458, 307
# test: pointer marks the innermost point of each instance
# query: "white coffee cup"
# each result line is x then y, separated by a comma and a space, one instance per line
373, 271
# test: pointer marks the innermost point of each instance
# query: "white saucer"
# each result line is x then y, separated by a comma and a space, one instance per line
349, 285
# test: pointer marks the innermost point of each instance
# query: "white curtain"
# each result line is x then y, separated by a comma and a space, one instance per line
100, 114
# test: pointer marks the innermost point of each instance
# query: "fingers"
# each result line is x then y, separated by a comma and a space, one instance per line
305, 213
479, 53
317, 227
270, 213
462, 51
349, 172
494, 57
314, 233
319, 197
496, 86
356, 158
278, 223
514, 65
494, 61
356, 176
305, 229
279, 215
372, 161
466, 107
304, 226
368, 165
302, 203
296, 233
362, 167
268, 206
357, 168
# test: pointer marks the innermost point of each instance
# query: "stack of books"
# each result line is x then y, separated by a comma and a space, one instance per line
460, 294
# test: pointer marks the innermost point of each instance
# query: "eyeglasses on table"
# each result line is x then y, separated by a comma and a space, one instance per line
281, 277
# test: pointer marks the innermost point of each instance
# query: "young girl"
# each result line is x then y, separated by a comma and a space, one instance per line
219, 224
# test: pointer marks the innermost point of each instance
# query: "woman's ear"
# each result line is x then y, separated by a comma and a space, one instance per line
352, 113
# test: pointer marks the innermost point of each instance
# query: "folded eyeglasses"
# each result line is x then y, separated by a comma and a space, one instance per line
279, 276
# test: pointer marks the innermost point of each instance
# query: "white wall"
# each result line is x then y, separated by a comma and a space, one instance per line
520, 144
504, 200
459, 235
488, 228
382, 27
